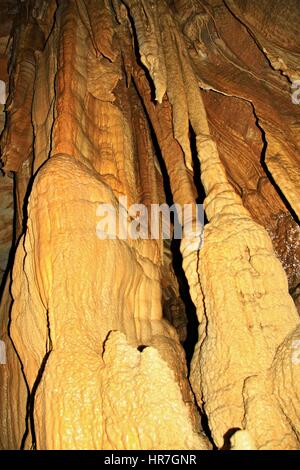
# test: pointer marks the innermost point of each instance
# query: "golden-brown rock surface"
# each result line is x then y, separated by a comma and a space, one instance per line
154, 102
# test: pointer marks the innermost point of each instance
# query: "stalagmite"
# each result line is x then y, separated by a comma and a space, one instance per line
48, 305
236, 341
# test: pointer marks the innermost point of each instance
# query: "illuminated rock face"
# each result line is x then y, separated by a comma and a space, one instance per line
157, 102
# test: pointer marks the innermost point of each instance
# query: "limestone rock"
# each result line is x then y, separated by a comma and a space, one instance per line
149, 102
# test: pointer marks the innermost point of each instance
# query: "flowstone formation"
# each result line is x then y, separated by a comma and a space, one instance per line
129, 343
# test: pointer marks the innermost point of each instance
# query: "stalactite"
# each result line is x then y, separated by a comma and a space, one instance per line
144, 13
149, 102
246, 248
82, 124
18, 125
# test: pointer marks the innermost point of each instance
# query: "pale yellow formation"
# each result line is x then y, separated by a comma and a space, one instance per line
273, 397
93, 327
48, 305
245, 311
142, 377
145, 15
241, 440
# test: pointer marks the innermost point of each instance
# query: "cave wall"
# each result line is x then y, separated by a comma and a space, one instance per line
158, 102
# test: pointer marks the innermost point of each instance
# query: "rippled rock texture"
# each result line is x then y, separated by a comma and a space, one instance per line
132, 343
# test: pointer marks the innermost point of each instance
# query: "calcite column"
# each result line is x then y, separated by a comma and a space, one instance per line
244, 308
91, 361
87, 317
